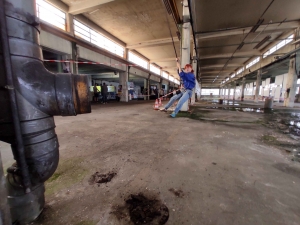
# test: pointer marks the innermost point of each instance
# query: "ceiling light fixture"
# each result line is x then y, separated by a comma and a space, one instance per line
256, 26
263, 41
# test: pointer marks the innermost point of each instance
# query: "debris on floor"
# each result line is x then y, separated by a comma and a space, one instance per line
98, 178
178, 193
143, 210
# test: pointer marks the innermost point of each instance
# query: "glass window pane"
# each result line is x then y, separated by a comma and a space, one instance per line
51, 14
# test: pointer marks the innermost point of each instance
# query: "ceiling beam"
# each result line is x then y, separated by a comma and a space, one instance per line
217, 71
235, 65
152, 43
247, 54
163, 60
240, 31
84, 6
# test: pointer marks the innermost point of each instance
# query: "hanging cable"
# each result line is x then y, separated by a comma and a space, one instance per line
167, 20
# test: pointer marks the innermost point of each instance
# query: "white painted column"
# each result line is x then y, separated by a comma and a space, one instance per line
258, 83
234, 90
123, 80
228, 92
185, 42
291, 84
243, 89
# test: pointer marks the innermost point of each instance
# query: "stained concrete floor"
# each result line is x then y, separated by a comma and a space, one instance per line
224, 162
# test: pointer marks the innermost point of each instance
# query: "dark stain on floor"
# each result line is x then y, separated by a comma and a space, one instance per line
142, 210
178, 193
98, 178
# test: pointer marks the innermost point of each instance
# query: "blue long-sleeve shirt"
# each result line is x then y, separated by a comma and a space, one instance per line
189, 80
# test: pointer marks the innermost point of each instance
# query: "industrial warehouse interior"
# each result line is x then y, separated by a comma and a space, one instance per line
99, 126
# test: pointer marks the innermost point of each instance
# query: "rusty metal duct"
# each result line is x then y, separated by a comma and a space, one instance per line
30, 96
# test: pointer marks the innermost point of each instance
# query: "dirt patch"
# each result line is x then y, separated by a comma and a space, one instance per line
142, 210
98, 178
178, 193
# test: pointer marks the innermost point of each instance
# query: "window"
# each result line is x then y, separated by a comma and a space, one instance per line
177, 81
172, 79
90, 35
137, 60
278, 46
233, 75
50, 14
252, 62
165, 75
227, 79
154, 69
240, 71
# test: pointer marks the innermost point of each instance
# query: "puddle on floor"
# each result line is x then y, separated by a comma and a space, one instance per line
240, 109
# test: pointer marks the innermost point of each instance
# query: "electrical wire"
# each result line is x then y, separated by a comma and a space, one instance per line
167, 20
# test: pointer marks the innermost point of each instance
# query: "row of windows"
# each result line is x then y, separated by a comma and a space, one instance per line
267, 53
279, 45
56, 17
252, 62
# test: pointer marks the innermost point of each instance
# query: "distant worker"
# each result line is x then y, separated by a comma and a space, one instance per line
189, 82
119, 93
104, 90
96, 93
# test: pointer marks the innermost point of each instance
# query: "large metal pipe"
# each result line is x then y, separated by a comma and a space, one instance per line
29, 97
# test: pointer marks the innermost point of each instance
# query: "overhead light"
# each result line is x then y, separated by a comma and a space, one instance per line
240, 46
256, 26
263, 41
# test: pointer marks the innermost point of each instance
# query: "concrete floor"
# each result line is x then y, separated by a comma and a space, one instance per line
227, 170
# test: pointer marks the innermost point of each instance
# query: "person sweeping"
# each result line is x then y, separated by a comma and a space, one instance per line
189, 82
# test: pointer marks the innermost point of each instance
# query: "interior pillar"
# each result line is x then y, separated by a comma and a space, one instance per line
243, 89
185, 42
291, 85
258, 83
123, 80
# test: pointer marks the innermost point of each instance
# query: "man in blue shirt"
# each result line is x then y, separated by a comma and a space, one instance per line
189, 82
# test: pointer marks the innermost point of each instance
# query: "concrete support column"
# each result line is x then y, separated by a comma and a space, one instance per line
145, 87
220, 91
291, 84
234, 90
228, 92
4, 208
59, 64
74, 66
70, 23
193, 99
243, 89
148, 86
258, 83
185, 42
123, 80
